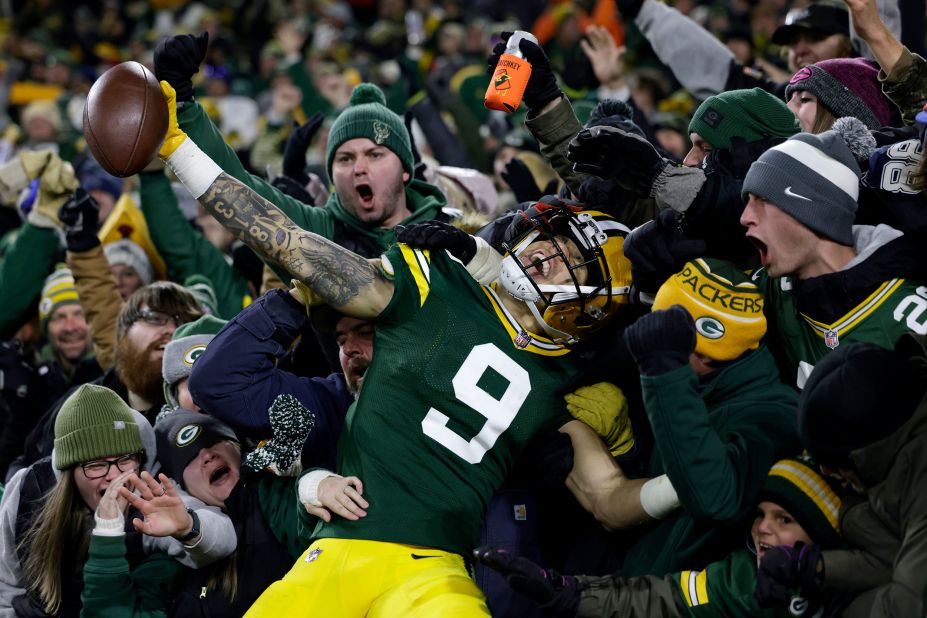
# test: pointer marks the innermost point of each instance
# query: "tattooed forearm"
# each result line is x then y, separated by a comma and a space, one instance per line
333, 272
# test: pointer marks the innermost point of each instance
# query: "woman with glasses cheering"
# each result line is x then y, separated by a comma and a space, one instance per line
57, 551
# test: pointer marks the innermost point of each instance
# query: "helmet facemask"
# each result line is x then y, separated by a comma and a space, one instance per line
569, 310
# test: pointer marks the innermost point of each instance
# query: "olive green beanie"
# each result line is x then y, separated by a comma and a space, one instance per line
93, 423
752, 115
367, 116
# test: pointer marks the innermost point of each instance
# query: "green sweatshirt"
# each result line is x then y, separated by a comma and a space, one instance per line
110, 589
424, 200
715, 439
187, 252
28, 261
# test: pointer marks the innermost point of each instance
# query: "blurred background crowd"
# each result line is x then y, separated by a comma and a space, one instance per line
115, 281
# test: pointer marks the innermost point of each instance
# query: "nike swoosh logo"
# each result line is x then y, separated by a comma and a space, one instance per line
417, 557
790, 193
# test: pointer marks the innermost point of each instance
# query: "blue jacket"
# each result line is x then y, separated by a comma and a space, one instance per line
237, 379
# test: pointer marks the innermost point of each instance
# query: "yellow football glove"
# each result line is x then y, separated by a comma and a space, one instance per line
604, 408
174, 137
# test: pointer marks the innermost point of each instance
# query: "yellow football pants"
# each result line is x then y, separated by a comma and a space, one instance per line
339, 578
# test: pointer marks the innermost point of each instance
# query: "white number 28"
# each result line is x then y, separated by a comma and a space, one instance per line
499, 413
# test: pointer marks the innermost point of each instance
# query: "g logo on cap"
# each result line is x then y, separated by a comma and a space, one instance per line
709, 328
188, 434
193, 353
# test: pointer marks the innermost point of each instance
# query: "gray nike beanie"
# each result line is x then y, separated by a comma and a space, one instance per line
813, 178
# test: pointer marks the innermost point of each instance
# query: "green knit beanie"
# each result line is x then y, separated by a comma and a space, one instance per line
749, 114
795, 485
367, 116
93, 423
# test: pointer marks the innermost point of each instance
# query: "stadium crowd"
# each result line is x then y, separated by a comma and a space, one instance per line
655, 344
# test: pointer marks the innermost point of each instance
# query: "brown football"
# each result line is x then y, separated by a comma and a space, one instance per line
125, 119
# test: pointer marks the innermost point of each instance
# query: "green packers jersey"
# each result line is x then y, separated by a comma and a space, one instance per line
893, 308
455, 390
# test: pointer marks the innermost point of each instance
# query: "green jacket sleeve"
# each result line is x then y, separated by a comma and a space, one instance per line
723, 589
282, 511
717, 457
185, 251
28, 262
110, 589
194, 121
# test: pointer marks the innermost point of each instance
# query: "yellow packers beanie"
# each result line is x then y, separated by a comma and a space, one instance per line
724, 303
58, 290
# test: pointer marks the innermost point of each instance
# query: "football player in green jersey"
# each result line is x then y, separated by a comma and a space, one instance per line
463, 377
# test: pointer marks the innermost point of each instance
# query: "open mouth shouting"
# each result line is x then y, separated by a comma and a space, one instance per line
761, 549
220, 475
364, 194
762, 248
537, 263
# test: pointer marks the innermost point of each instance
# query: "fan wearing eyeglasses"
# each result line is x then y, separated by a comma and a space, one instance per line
144, 327
55, 544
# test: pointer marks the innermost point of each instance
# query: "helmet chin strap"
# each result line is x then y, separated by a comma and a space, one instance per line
520, 287
557, 335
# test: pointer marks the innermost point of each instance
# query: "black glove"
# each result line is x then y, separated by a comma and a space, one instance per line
658, 249
791, 576
610, 152
177, 58
520, 179
80, 217
293, 188
545, 587
542, 85
629, 9
736, 160
294, 152
438, 235
661, 341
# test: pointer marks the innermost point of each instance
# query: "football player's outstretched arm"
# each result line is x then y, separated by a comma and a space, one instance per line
599, 484
343, 279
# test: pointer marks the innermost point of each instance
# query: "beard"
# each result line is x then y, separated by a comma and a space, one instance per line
139, 371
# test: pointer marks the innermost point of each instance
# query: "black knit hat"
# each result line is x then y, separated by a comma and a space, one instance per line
182, 433
614, 113
795, 485
856, 396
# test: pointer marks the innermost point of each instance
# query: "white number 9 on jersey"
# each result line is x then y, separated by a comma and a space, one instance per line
499, 413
